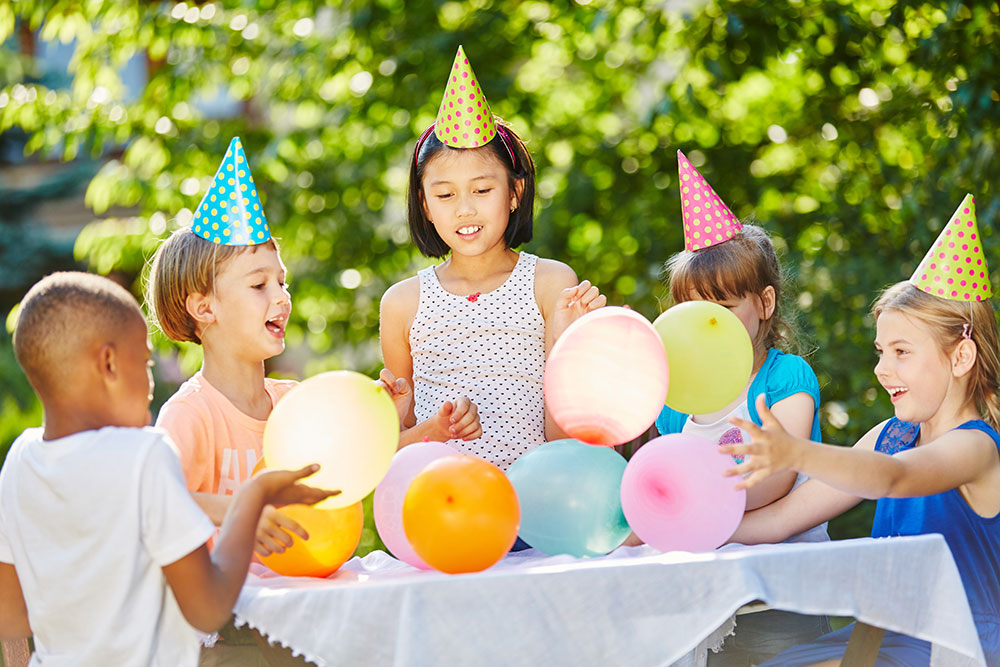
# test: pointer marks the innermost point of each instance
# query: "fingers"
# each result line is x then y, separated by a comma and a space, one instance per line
468, 428
591, 298
304, 471
446, 409
282, 523
767, 418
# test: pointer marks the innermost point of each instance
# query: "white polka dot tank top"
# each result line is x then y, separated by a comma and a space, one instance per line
490, 348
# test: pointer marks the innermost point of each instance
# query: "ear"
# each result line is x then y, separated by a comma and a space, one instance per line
963, 357
767, 303
516, 194
107, 362
199, 307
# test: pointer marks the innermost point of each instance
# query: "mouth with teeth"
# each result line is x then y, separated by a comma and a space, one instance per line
469, 231
276, 326
895, 393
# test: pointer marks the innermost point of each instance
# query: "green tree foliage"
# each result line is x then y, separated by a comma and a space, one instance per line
850, 130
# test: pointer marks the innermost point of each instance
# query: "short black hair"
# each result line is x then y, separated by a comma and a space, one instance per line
520, 224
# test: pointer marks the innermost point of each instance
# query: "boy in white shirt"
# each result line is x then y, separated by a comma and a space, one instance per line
102, 549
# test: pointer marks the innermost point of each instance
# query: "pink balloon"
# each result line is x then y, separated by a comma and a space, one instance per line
675, 497
606, 377
387, 505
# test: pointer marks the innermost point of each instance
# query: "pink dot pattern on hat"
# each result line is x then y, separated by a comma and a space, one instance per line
955, 267
707, 219
464, 119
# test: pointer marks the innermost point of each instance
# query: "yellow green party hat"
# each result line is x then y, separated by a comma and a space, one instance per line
955, 267
464, 119
230, 213
707, 219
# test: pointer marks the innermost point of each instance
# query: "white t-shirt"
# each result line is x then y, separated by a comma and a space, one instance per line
89, 521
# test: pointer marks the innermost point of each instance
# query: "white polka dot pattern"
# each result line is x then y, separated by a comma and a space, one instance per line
490, 348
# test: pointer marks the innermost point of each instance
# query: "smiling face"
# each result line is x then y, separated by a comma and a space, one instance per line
912, 367
467, 198
250, 305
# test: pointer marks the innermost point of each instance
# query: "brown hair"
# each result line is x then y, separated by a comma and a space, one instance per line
186, 264
745, 264
947, 321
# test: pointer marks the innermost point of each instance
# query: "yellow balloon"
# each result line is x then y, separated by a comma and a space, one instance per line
709, 355
341, 420
333, 537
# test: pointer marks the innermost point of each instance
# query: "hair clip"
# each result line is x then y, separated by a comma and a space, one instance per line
966, 330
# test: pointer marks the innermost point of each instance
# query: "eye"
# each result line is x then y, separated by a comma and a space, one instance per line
258, 286
483, 191
442, 197
900, 352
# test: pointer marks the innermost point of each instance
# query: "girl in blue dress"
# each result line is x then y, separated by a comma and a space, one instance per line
934, 466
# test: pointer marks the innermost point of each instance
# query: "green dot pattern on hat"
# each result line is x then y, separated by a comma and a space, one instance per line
955, 267
707, 219
464, 119
230, 213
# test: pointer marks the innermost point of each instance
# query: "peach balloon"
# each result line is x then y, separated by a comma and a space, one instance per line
341, 420
606, 377
333, 537
461, 514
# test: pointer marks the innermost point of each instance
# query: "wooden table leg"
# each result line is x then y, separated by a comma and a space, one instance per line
16, 652
862, 647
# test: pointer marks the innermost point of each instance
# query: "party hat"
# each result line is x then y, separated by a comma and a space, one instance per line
955, 267
464, 119
230, 212
707, 219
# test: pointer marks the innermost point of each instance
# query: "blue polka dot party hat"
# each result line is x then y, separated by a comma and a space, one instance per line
230, 212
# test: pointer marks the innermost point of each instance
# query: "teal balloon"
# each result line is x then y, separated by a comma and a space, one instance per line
570, 496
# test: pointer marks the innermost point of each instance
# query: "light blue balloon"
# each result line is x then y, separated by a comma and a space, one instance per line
570, 496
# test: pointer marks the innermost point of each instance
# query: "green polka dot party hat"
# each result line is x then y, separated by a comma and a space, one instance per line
707, 219
230, 213
464, 119
955, 267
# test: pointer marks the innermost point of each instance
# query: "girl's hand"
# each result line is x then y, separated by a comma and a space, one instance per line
459, 420
771, 448
282, 487
399, 391
274, 532
575, 302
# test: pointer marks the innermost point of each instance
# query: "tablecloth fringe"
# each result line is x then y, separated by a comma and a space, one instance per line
296, 653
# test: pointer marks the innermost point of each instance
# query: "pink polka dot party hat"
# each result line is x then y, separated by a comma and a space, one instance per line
707, 219
230, 213
955, 267
464, 119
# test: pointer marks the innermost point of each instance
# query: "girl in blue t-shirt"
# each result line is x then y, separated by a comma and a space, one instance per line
935, 466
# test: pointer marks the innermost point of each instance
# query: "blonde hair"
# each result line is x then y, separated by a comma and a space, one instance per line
745, 264
948, 320
186, 264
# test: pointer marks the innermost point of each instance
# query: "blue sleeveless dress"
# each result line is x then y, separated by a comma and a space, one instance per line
975, 545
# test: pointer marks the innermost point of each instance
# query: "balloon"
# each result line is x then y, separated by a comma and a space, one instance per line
461, 514
342, 420
388, 502
570, 499
333, 537
675, 497
709, 353
606, 377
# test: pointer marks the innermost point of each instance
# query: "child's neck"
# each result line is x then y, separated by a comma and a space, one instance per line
463, 274
956, 408
240, 381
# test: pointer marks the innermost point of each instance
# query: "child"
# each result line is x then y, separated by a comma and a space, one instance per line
735, 265
935, 466
482, 321
95, 519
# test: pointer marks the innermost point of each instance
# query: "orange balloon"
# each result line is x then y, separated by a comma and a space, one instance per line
257, 468
461, 514
333, 537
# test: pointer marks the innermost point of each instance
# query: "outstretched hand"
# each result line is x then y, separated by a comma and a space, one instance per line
282, 487
575, 302
399, 391
771, 448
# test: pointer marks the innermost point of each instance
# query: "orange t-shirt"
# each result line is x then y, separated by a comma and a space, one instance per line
219, 445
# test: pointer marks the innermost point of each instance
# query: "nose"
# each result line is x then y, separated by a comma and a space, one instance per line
466, 207
880, 367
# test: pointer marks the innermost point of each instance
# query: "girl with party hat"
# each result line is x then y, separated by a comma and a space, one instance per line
935, 466
735, 265
481, 322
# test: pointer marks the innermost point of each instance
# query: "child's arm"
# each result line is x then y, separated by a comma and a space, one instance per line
206, 585
955, 458
561, 301
13, 612
796, 414
458, 419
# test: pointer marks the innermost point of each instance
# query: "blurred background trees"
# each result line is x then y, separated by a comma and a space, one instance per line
850, 130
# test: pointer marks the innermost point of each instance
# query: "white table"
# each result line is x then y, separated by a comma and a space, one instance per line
635, 606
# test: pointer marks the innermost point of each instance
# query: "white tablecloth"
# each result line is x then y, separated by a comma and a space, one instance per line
633, 607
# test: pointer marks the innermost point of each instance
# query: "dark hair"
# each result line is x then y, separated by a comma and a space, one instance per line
745, 264
519, 226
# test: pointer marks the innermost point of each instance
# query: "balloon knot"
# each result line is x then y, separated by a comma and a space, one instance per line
713, 322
